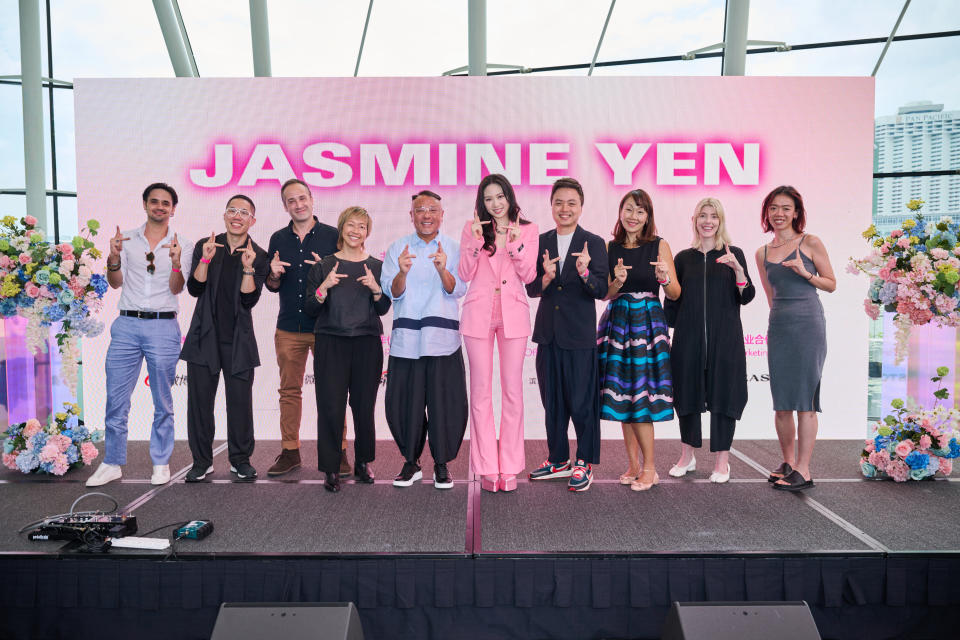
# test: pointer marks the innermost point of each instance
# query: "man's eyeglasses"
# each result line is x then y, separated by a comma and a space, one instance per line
233, 212
426, 209
151, 267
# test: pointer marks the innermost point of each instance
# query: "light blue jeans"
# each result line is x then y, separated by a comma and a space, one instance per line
132, 340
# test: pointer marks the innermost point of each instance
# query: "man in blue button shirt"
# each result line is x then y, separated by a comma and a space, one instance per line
293, 250
426, 384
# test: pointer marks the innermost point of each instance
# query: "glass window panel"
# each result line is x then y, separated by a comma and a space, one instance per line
11, 142
66, 143
9, 38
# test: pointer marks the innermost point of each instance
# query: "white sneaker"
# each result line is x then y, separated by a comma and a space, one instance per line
105, 473
161, 474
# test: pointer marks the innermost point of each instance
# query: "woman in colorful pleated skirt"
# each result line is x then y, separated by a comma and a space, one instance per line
632, 339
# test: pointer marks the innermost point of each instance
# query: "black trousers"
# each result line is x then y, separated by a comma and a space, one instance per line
343, 365
427, 395
721, 431
570, 388
202, 384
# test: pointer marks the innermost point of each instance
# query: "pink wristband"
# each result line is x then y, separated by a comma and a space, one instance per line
319, 294
742, 284
174, 269
205, 260
584, 274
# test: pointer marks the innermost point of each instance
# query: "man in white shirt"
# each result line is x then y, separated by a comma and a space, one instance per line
146, 263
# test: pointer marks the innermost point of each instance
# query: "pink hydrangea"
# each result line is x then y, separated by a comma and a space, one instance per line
88, 452
939, 254
885, 248
898, 470
879, 460
63, 442
904, 447
32, 428
944, 440
903, 243
869, 447
6, 262
896, 233
60, 464
30, 221
10, 461
925, 441
49, 452
946, 466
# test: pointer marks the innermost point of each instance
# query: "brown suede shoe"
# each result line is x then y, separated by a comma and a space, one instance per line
288, 460
344, 463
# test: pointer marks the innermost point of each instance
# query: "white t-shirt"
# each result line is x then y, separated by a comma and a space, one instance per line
563, 245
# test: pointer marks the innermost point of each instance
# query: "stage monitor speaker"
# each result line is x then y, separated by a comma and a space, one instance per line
739, 621
287, 620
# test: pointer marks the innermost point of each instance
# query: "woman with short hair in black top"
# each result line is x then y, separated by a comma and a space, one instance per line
707, 356
344, 295
632, 339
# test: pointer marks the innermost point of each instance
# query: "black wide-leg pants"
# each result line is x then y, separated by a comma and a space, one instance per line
343, 365
721, 431
427, 396
202, 383
570, 388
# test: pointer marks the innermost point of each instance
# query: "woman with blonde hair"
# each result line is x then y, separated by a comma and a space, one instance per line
343, 293
707, 357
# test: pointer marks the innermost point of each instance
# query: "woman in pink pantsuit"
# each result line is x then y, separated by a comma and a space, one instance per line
498, 256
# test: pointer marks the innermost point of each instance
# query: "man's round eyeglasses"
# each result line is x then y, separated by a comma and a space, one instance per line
233, 212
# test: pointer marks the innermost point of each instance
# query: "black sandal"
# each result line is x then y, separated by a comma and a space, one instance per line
782, 471
795, 482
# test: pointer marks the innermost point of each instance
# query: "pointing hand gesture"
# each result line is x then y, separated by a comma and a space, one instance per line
405, 261
476, 227
731, 261
549, 267
248, 255
116, 243
583, 259
620, 271
439, 257
175, 249
277, 265
315, 260
369, 281
210, 247
333, 278
796, 264
513, 231
660, 270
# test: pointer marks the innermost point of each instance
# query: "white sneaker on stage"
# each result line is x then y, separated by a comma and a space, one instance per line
161, 474
104, 474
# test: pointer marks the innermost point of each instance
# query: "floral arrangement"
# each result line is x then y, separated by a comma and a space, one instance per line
63, 444
914, 272
914, 444
50, 283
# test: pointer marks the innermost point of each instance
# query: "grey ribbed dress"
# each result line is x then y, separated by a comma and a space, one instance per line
796, 337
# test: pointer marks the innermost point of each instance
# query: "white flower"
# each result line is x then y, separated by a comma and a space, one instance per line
946, 219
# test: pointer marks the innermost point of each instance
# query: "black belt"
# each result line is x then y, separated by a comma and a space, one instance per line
150, 315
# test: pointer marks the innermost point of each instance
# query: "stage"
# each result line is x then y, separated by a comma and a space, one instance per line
871, 557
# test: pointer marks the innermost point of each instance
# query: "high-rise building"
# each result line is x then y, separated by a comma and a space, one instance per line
921, 137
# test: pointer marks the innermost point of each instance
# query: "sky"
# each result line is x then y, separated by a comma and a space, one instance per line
120, 38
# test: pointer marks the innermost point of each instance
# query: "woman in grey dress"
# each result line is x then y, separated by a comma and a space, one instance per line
792, 267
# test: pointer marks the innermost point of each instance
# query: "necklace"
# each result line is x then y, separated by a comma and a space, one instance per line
501, 233
777, 246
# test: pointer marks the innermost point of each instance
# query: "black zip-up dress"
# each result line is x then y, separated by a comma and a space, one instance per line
707, 354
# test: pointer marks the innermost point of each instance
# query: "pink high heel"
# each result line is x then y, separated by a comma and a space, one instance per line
508, 482
489, 483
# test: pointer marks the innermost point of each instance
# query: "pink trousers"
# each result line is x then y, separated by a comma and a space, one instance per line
487, 456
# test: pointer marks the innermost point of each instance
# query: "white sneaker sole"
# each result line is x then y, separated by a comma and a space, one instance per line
406, 483
555, 474
205, 474
94, 481
442, 485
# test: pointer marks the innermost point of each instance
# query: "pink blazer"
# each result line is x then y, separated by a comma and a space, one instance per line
509, 269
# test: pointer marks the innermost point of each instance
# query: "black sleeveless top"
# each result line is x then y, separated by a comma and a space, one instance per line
642, 277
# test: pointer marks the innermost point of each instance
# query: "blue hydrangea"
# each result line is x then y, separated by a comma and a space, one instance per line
54, 313
72, 454
80, 433
917, 460
27, 461
888, 293
8, 307
933, 465
72, 421
96, 436
954, 448
868, 470
38, 440
42, 276
100, 284
8, 445
23, 300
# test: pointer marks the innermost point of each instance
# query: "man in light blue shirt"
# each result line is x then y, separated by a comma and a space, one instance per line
426, 383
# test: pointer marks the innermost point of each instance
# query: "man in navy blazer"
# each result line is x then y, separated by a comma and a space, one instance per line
571, 277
